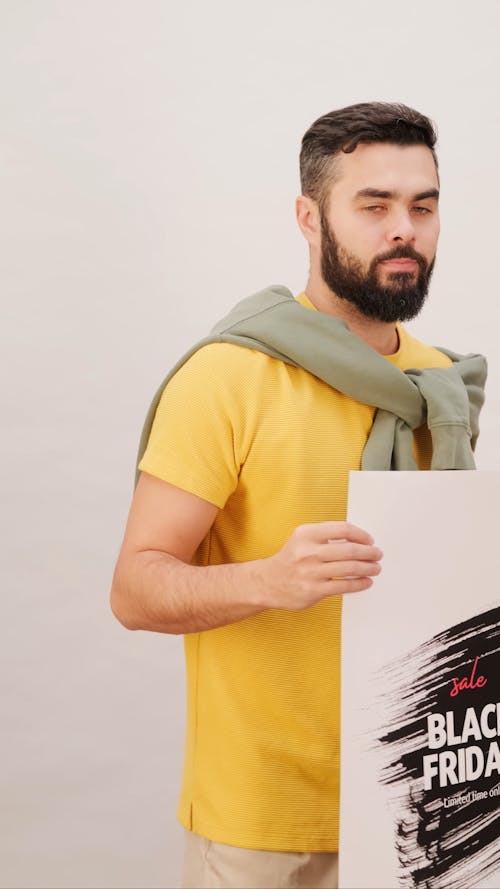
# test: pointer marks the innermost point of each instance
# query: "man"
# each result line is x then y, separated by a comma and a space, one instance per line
237, 534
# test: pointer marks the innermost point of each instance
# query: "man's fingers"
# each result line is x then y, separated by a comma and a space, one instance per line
335, 570
322, 532
348, 551
349, 585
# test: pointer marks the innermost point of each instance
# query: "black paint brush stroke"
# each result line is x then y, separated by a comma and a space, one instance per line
438, 847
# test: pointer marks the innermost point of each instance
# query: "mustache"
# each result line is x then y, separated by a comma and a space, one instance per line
402, 253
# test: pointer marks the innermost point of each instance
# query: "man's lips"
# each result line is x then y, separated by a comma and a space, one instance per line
402, 263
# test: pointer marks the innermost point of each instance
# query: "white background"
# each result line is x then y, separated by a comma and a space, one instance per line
148, 171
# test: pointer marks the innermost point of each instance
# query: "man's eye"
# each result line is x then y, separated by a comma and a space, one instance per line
375, 208
422, 211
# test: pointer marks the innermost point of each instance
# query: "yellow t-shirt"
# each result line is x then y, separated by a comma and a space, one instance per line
271, 445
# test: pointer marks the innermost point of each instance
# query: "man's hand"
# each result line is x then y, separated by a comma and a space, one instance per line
319, 560
156, 588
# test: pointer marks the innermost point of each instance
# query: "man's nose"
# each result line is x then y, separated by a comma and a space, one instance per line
402, 229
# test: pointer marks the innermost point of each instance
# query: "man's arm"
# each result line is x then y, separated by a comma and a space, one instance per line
156, 588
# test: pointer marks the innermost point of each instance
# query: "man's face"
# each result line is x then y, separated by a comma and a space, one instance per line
380, 229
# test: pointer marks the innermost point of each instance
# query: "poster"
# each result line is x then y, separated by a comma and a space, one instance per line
420, 776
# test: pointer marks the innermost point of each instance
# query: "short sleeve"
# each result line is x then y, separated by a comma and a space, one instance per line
192, 439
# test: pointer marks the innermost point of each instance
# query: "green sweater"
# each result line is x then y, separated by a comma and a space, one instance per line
448, 400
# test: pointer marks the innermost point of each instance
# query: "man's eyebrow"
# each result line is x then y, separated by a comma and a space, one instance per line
375, 193
393, 195
430, 193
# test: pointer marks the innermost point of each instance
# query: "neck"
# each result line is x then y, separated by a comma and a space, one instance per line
379, 335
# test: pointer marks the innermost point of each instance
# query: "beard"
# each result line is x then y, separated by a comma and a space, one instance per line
399, 299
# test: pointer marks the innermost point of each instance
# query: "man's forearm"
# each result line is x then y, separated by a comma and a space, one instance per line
157, 592
153, 590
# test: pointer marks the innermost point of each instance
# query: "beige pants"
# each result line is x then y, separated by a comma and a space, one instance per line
209, 865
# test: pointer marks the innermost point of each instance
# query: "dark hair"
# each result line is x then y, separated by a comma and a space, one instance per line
343, 130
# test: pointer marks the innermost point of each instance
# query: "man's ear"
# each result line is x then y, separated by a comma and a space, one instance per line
308, 218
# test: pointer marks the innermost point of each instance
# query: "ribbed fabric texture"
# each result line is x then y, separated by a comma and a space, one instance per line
272, 446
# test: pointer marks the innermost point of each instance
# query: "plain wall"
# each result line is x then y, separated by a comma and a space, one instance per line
148, 171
